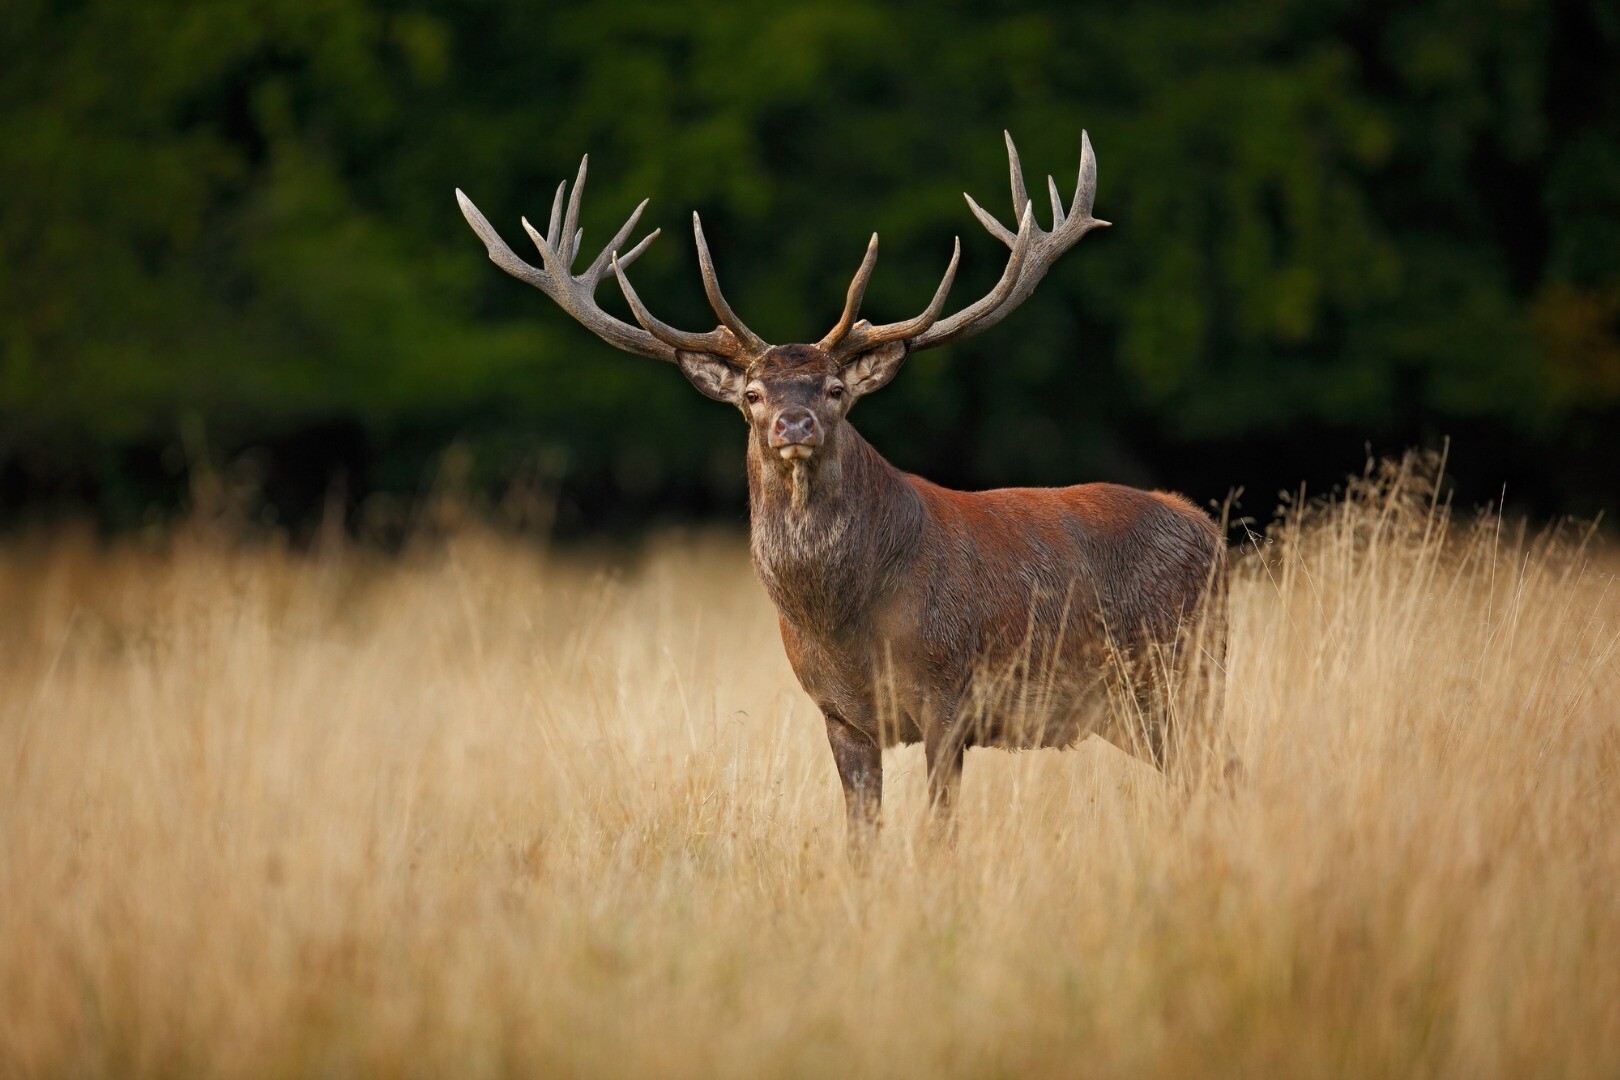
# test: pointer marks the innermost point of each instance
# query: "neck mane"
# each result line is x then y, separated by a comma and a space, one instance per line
829, 552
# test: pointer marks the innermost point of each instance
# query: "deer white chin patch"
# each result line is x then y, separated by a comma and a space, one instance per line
796, 452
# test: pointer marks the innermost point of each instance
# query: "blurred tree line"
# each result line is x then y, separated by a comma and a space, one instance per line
227, 232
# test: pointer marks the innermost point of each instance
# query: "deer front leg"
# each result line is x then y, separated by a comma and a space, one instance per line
860, 769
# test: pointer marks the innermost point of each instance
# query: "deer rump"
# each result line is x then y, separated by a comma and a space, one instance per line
1023, 617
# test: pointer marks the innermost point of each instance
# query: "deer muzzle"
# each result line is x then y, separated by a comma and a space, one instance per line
795, 433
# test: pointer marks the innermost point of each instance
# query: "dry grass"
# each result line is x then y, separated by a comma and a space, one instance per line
483, 811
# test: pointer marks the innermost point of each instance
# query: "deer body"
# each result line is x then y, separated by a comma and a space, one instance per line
909, 612
913, 613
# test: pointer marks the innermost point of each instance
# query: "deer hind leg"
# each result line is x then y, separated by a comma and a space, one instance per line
1168, 715
944, 745
860, 769
1141, 728
1195, 707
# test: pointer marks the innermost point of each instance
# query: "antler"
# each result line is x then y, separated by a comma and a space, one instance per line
575, 294
1033, 252
1034, 249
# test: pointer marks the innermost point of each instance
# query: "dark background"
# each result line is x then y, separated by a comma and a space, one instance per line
228, 244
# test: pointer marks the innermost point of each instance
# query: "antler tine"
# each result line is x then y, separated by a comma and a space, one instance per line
852, 301
718, 341
865, 337
988, 220
635, 252
556, 214
1057, 202
1020, 194
575, 295
711, 287
540, 243
602, 263
568, 243
501, 255
1085, 188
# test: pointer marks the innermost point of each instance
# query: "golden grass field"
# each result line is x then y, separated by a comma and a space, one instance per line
484, 810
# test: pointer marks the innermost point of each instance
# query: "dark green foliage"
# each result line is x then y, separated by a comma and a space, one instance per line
235, 220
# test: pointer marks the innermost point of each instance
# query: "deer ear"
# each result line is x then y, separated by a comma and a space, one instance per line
872, 370
712, 376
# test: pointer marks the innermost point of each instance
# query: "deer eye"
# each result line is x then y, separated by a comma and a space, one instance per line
752, 397
835, 391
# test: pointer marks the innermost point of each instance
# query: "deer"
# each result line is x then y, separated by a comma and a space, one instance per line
1014, 618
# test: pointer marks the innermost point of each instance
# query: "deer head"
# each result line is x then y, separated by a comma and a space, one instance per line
794, 397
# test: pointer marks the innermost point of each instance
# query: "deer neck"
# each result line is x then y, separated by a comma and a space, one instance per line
830, 537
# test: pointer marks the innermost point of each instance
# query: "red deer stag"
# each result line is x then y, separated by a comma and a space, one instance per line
911, 612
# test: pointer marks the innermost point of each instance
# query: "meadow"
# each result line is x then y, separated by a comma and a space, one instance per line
491, 808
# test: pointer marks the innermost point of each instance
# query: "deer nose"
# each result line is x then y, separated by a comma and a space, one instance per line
795, 426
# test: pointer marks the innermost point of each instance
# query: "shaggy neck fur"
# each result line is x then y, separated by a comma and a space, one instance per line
830, 535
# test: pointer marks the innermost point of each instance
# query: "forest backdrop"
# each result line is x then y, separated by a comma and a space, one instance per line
227, 236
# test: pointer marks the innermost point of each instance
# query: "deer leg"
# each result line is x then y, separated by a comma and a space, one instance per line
1234, 777
943, 748
1181, 747
1141, 728
860, 770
